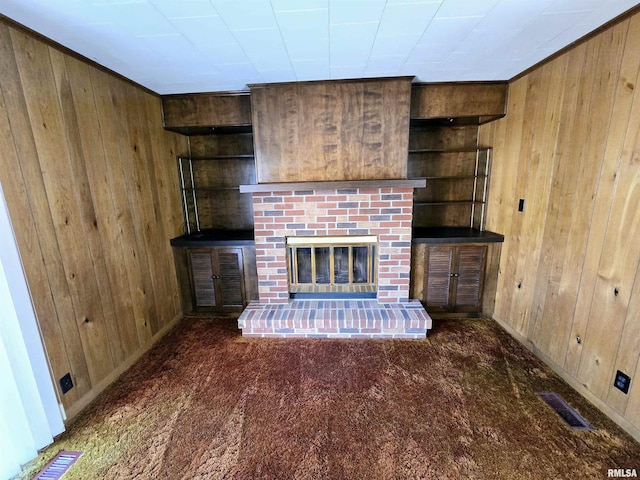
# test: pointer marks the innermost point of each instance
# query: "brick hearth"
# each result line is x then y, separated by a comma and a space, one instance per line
335, 319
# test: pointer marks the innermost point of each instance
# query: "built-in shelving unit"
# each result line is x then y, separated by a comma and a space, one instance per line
456, 186
211, 197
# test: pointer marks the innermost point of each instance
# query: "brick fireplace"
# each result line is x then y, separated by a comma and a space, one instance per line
327, 209
331, 163
382, 212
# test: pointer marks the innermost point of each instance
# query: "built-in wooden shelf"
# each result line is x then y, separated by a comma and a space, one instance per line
247, 156
451, 202
290, 186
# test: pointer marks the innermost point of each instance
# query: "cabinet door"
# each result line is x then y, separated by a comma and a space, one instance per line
231, 282
438, 284
454, 277
217, 278
202, 278
470, 274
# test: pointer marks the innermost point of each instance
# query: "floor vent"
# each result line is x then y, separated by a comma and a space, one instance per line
58, 466
573, 418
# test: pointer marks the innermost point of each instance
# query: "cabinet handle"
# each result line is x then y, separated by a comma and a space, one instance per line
215, 277
453, 274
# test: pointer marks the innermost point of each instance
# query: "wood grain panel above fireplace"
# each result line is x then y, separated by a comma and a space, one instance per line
331, 130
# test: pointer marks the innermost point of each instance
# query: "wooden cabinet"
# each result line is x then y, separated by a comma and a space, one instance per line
331, 130
449, 278
199, 114
459, 102
216, 279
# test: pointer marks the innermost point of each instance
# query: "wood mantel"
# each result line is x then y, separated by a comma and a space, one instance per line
290, 186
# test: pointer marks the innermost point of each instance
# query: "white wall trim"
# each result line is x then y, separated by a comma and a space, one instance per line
29, 410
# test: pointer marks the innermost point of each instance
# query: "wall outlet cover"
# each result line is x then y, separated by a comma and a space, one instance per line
622, 382
66, 383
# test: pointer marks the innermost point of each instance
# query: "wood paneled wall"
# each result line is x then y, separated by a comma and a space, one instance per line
569, 282
91, 184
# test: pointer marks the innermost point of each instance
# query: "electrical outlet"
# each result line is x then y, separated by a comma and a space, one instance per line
521, 205
622, 382
66, 383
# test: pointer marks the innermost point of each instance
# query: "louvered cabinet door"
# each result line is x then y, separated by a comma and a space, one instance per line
217, 279
470, 273
438, 285
202, 278
454, 276
231, 275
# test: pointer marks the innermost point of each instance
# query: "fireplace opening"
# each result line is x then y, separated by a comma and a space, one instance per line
332, 267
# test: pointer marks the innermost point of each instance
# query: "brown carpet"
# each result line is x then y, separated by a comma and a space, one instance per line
206, 403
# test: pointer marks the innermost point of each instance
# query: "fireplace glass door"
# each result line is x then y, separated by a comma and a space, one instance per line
338, 267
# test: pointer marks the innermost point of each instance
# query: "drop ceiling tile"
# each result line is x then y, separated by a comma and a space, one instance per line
350, 44
513, 13
539, 31
566, 6
204, 30
246, 14
72, 12
113, 2
407, 18
138, 18
298, 5
264, 48
224, 53
347, 71
420, 70
243, 73
465, 8
480, 41
607, 12
184, 8
305, 33
311, 22
430, 53
166, 45
196, 87
385, 45
210, 77
311, 69
279, 75
299, 48
388, 63
442, 31
110, 37
355, 11
412, 2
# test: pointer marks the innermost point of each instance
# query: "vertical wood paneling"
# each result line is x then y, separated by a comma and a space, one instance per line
322, 131
47, 124
570, 145
109, 252
89, 176
23, 185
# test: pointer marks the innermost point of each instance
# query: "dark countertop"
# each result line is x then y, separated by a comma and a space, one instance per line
454, 235
220, 237
214, 238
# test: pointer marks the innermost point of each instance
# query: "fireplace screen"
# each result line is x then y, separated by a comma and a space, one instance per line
342, 266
